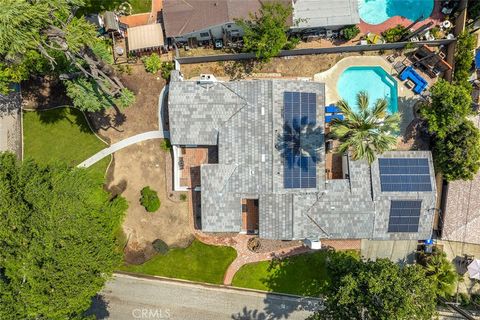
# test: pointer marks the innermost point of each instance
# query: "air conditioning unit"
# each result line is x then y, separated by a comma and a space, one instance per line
314, 244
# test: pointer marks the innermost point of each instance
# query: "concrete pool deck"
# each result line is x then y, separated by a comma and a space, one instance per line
406, 97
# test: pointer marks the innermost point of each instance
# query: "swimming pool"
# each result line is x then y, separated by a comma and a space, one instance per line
376, 81
378, 11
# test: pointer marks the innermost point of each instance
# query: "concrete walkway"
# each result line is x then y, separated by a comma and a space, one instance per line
123, 144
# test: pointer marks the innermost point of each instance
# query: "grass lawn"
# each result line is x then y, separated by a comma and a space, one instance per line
140, 6
304, 274
198, 262
61, 134
98, 6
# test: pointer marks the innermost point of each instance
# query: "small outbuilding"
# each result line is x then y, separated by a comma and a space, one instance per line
145, 38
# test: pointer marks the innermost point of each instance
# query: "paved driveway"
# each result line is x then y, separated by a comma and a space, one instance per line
128, 297
401, 251
10, 124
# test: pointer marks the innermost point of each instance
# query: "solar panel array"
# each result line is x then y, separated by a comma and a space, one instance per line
299, 109
404, 174
404, 216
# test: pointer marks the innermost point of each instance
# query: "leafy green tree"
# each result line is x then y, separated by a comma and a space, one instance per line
57, 244
457, 155
443, 274
367, 132
152, 63
450, 104
265, 33
464, 57
87, 96
51, 29
149, 199
350, 32
379, 290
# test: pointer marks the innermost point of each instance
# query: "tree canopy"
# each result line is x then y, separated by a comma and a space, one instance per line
458, 154
367, 132
265, 34
450, 104
38, 37
442, 273
57, 244
464, 57
378, 289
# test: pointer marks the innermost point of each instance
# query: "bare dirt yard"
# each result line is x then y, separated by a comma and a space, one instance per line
298, 66
140, 165
142, 116
143, 165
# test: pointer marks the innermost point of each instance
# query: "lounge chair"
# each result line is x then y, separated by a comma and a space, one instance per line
332, 109
420, 83
329, 119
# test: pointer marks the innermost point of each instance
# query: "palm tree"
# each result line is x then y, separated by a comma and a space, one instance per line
367, 132
443, 274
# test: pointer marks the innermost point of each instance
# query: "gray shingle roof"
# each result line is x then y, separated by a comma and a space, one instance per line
245, 118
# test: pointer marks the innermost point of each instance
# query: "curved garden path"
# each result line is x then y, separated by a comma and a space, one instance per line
123, 144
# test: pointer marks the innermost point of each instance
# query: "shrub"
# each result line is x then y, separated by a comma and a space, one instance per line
291, 43
464, 57
394, 34
183, 197
457, 155
149, 199
167, 68
166, 145
152, 63
350, 32
160, 246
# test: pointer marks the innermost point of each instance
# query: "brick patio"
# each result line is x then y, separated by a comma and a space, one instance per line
436, 17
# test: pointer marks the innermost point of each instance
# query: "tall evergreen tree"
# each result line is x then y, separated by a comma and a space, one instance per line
57, 244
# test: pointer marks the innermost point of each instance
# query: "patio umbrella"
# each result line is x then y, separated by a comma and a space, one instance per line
474, 269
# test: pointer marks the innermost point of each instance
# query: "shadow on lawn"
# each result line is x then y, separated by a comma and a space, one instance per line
71, 115
309, 275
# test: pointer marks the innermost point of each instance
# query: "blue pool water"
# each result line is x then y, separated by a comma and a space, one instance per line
378, 11
376, 81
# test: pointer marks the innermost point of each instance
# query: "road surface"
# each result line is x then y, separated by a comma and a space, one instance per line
126, 298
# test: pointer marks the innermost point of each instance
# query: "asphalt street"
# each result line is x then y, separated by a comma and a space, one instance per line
126, 298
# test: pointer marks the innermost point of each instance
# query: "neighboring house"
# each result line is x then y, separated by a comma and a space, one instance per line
311, 15
270, 176
461, 217
203, 21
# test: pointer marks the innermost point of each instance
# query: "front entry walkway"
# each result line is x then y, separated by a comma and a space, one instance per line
123, 144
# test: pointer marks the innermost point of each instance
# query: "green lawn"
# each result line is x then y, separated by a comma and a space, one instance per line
198, 262
61, 134
304, 274
141, 6
98, 6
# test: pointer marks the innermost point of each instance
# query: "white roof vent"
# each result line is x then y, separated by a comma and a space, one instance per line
207, 78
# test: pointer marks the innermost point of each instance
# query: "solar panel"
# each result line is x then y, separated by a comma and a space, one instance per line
300, 109
404, 174
404, 216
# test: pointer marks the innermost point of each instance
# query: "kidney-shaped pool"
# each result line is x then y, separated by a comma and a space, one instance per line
372, 79
379, 11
